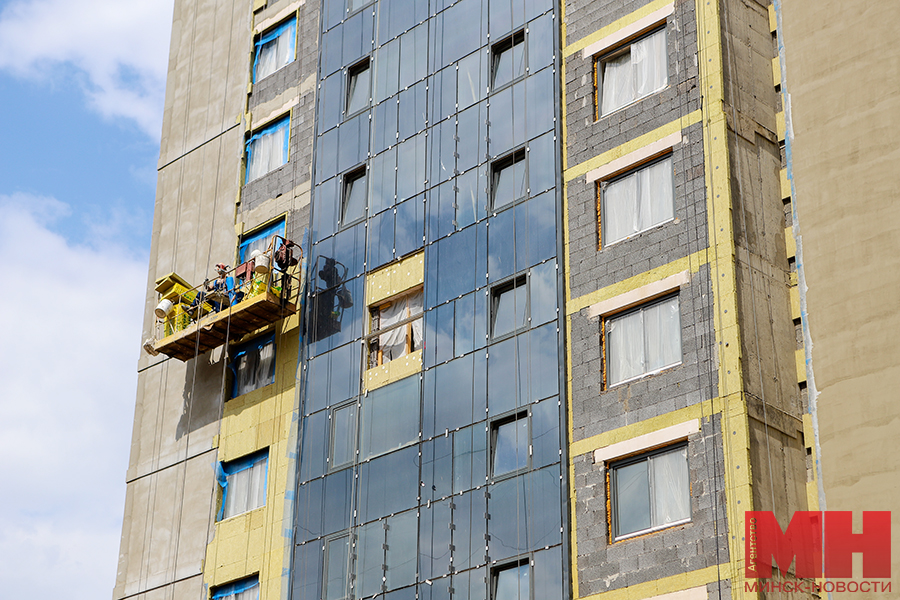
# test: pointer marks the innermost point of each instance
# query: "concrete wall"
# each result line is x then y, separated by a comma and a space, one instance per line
841, 63
201, 209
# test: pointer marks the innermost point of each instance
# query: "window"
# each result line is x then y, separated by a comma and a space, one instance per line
510, 445
508, 59
509, 307
275, 49
243, 483
245, 589
268, 149
337, 561
358, 87
643, 341
650, 492
261, 239
511, 582
630, 74
343, 436
354, 199
508, 179
253, 365
636, 202
398, 325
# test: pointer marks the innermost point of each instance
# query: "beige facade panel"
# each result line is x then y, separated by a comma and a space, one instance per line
840, 69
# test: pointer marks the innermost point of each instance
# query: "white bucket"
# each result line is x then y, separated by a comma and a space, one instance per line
163, 309
261, 263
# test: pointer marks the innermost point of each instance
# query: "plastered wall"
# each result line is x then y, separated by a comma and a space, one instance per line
843, 155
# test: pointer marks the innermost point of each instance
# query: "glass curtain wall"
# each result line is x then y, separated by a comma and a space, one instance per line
399, 496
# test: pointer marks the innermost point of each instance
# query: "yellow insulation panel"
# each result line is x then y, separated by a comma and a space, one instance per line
395, 278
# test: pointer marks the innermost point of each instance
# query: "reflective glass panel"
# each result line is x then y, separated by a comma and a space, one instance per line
512, 583
358, 88
510, 452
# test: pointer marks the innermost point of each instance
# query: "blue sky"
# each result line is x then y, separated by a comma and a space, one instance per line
82, 85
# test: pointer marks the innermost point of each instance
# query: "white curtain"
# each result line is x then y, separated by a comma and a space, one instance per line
662, 335
619, 209
276, 53
251, 594
638, 201
254, 368
671, 487
648, 57
393, 342
267, 151
625, 353
618, 84
246, 489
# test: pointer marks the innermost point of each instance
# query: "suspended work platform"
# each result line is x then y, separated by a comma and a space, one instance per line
193, 320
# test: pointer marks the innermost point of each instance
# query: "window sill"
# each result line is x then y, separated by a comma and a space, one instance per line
638, 233
630, 104
642, 376
622, 538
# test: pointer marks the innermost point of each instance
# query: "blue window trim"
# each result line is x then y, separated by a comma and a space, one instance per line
231, 589
223, 470
274, 228
282, 123
256, 344
272, 35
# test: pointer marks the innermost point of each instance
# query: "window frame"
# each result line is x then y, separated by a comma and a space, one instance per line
600, 190
611, 484
332, 465
327, 560
270, 128
604, 332
497, 290
270, 35
241, 349
508, 43
508, 565
375, 332
603, 57
349, 178
350, 73
494, 431
511, 158
226, 469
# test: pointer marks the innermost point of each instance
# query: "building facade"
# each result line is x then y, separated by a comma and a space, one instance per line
544, 337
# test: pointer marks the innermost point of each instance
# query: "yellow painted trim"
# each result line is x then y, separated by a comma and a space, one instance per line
614, 436
773, 19
632, 145
785, 185
780, 125
395, 278
397, 369
691, 262
790, 244
776, 71
800, 358
613, 27
665, 585
795, 302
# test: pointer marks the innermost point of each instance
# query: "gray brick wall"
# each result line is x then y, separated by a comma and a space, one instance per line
604, 566
588, 138
596, 410
298, 169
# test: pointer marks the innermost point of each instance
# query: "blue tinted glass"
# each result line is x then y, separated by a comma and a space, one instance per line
410, 226
381, 239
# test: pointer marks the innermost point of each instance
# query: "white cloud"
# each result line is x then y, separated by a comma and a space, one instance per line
120, 47
70, 321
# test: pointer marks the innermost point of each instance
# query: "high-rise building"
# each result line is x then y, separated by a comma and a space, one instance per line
481, 300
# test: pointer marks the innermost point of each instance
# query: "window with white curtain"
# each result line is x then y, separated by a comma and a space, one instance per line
636, 202
244, 589
243, 483
650, 492
643, 341
253, 365
398, 325
260, 239
625, 76
268, 149
275, 49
